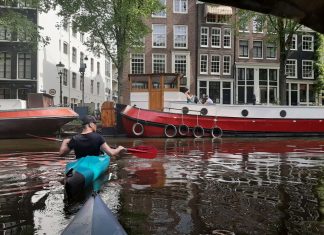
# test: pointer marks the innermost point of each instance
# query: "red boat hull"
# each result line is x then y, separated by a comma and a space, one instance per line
41, 121
154, 124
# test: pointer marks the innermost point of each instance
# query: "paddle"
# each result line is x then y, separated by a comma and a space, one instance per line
140, 151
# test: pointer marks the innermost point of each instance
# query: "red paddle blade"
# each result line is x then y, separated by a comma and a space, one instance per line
142, 151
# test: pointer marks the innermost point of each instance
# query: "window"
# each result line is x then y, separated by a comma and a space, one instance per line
65, 26
81, 58
161, 14
159, 63
216, 37
180, 66
291, 68
81, 37
4, 93
5, 65
65, 48
91, 86
180, 36
23, 36
257, 25
307, 69
227, 38
24, 3
308, 43
74, 80
74, 30
65, 77
24, 66
159, 35
244, 49
74, 55
227, 65
215, 64
257, 49
220, 19
5, 34
180, 6
22, 93
92, 64
137, 63
204, 64
204, 36
271, 52
98, 88
244, 27
98, 67
293, 44
107, 67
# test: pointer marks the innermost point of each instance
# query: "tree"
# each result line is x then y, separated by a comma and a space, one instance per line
115, 27
279, 30
18, 22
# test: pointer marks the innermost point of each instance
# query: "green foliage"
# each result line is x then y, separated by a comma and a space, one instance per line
115, 26
21, 27
319, 62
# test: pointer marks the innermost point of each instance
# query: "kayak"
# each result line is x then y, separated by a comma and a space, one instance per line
80, 174
94, 218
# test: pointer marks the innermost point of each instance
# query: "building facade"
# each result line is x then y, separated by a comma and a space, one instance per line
24, 70
170, 48
232, 66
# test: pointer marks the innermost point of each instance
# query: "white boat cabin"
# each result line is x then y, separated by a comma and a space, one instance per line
155, 91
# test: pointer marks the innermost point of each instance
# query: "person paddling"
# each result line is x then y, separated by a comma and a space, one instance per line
88, 142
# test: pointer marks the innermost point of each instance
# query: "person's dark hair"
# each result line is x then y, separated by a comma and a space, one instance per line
196, 100
88, 119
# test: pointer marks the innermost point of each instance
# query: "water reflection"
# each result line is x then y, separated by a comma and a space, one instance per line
193, 186
238, 185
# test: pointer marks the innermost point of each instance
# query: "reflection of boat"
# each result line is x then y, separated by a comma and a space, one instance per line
39, 121
94, 218
182, 119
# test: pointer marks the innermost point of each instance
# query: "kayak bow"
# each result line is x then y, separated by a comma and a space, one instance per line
94, 218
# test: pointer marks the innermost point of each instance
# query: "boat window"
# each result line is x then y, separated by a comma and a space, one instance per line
170, 82
139, 83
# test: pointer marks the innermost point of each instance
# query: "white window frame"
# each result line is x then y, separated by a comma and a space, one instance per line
230, 67
165, 60
187, 55
201, 61
25, 67
227, 36
275, 50
248, 52
131, 62
312, 69
304, 41
204, 34
255, 21
257, 58
162, 34
175, 35
219, 35
295, 64
163, 13
294, 41
216, 62
179, 3
6, 66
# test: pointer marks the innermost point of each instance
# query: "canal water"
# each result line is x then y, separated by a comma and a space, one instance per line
193, 186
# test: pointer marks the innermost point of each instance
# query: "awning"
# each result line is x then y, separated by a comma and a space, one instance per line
218, 10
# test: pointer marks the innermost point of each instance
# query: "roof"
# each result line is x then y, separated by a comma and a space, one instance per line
308, 13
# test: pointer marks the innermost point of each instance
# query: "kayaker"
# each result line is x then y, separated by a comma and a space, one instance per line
88, 142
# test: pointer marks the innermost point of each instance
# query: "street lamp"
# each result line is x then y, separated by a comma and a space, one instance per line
83, 66
60, 68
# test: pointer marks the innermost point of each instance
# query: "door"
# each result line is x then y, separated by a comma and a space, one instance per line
156, 94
